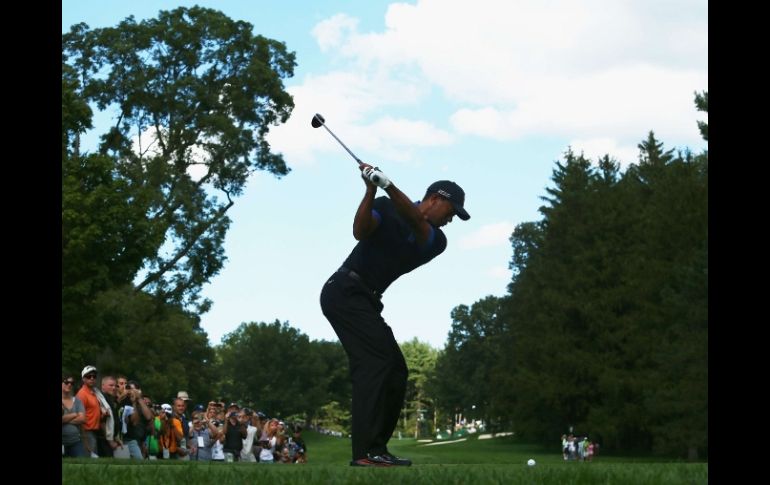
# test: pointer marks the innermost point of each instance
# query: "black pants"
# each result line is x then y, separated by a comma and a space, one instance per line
377, 367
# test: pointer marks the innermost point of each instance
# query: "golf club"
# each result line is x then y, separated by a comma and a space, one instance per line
318, 121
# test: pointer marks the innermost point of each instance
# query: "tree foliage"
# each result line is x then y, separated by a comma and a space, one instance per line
193, 95
605, 327
465, 371
278, 370
420, 359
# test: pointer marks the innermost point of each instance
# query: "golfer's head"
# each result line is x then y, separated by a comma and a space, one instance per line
443, 200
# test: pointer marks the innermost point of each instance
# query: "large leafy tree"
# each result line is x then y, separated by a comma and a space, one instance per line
279, 370
420, 359
464, 380
193, 94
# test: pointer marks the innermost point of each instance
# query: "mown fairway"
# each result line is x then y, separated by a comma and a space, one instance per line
496, 461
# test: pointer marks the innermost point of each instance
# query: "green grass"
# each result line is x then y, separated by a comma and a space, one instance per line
494, 461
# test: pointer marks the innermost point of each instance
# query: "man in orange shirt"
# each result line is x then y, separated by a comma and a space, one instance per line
87, 394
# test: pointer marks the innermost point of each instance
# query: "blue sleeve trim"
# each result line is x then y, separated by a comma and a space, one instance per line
428, 243
431, 237
377, 216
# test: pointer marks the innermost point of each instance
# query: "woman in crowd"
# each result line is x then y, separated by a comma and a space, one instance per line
73, 415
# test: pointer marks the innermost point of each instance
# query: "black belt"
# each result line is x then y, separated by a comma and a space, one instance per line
357, 278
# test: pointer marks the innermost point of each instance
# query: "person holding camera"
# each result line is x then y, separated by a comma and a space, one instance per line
202, 437
137, 416
247, 452
235, 432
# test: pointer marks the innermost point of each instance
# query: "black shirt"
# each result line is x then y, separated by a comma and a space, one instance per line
391, 250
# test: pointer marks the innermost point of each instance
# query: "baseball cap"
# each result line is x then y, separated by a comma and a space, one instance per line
183, 396
199, 407
87, 370
167, 408
233, 405
451, 192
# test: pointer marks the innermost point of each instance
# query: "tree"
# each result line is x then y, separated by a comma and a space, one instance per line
194, 94
702, 104
278, 370
465, 370
421, 361
606, 321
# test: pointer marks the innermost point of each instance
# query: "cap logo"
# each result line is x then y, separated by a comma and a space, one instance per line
444, 193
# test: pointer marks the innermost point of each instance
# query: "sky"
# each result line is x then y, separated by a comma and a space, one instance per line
487, 93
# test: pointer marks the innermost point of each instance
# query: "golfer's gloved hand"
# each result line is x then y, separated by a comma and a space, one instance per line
376, 177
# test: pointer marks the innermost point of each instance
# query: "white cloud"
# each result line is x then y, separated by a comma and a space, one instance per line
488, 236
346, 100
330, 32
595, 69
594, 148
626, 102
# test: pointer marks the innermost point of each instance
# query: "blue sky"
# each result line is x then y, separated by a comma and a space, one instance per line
488, 93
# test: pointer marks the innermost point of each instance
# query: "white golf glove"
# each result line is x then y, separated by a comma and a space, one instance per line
378, 178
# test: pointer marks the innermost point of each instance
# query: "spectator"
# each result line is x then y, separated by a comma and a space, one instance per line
180, 406
265, 453
87, 395
217, 448
136, 417
106, 442
297, 445
235, 432
203, 435
152, 442
121, 382
73, 415
247, 452
171, 432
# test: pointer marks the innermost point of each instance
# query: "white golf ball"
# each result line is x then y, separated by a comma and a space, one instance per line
531, 462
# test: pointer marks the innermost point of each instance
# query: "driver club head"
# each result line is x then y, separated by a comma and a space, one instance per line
318, 120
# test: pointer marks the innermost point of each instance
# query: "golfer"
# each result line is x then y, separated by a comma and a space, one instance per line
395, 235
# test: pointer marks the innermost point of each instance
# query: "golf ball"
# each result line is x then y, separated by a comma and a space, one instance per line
531, 462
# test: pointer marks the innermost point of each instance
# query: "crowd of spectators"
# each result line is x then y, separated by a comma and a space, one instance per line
576, 448
116, 420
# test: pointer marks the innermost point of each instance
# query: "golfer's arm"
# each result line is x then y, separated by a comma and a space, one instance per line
409, 211
364, 222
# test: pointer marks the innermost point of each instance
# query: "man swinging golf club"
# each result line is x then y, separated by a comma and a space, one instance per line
395, 235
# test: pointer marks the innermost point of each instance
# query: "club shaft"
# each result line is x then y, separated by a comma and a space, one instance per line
343, 145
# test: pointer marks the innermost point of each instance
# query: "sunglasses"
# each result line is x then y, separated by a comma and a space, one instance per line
90, 376
68, 382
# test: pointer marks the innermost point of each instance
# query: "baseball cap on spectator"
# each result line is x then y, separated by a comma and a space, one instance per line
234, 414
233, 405
199, 407
261, 415
87, 370
167, 408
247, 411
183, 396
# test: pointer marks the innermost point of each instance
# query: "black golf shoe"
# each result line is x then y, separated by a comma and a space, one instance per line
390, 459
369, 462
